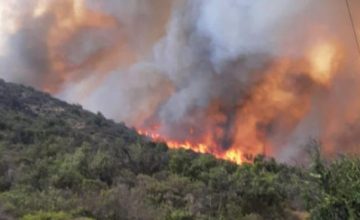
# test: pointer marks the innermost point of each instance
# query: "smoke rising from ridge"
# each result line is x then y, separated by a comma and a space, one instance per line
225, 77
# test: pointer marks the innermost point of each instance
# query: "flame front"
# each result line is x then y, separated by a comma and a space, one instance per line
277, 100
233, 155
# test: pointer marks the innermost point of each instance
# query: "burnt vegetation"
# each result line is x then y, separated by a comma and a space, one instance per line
58, 161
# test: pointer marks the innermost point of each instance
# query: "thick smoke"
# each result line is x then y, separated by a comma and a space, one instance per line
238, 75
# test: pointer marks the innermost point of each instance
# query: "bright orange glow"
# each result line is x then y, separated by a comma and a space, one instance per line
282, 96
233, 155
324, 59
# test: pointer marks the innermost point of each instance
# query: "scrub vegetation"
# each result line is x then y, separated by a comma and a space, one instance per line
60, 162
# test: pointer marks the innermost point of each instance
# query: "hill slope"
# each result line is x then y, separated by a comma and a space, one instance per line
58, 161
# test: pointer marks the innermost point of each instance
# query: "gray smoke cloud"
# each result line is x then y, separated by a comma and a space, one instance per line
194, 69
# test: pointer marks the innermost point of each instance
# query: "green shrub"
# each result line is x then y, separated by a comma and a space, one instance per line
47, 216
179, 215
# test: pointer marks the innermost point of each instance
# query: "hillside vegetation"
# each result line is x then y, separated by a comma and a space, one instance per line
58, 161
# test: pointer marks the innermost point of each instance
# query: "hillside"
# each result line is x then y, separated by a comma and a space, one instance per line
58, 161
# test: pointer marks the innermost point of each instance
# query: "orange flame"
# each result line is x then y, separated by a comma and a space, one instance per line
233, 155
277, 97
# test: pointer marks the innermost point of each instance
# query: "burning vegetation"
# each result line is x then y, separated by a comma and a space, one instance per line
241, 128
230, 78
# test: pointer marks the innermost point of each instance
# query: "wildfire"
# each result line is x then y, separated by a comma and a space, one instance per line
276, 105
233, 155
231, 99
